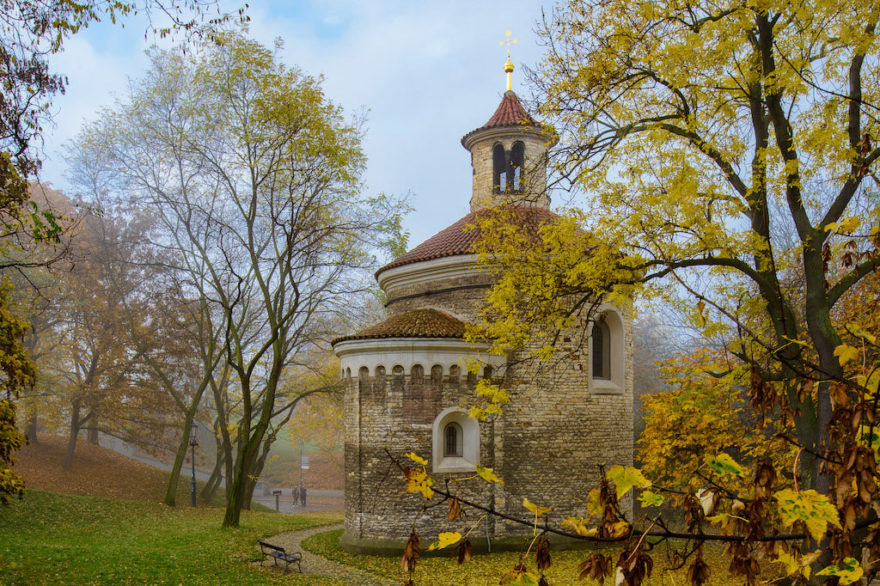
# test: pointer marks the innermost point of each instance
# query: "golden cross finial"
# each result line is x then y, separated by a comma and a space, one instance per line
508, 67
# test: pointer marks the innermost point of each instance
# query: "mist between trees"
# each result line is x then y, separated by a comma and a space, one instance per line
218, 234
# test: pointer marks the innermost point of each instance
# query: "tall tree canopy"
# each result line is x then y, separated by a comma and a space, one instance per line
254, 178
727, 152
721, 157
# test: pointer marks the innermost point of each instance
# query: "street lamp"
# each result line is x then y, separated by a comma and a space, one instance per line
301, 467
193, 442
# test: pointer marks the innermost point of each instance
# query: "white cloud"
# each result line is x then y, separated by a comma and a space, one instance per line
429, 72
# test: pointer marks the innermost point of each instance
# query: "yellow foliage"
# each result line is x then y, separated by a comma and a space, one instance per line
626, 478
488, 475
809, 507
417, 480
445, 539
537, 510
700, 413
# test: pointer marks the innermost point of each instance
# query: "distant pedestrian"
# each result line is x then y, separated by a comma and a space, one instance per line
295, 494
302, 495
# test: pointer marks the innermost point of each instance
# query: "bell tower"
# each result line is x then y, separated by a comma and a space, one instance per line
509, 155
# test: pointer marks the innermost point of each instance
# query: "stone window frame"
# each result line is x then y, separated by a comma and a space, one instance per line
614, 383
470, 442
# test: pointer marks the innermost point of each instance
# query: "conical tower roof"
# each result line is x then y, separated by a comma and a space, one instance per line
510, 112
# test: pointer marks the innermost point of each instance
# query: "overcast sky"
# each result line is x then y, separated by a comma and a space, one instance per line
426, 72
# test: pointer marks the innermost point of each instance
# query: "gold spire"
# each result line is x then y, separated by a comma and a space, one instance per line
508, 67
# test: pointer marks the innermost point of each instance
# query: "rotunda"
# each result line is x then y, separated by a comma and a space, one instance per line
407, 379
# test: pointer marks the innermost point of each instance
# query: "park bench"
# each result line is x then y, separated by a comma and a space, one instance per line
278, 554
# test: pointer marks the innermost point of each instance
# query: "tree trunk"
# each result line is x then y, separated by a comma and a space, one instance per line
179, 458
210, 488
92, 433
258, 469
30, 427
75, 423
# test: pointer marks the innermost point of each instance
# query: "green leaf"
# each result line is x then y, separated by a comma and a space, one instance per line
651, 499
626, 478
724, 464
850, 571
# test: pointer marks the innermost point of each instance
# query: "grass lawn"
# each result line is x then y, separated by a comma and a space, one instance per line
488, 569
64, 539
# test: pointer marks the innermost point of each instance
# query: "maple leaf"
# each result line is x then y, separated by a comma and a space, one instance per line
808, 506
651, 499
848, 572
846, 353
724, 464
626, 478
419, 481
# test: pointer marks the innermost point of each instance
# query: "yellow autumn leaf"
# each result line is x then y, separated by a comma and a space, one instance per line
594, 507
814, 510
845, 225
626, 478
797, 565
857, 330
416, 458
445, 539
537, 510
721, 519
488, 475
577, 525
419, 481
846, 353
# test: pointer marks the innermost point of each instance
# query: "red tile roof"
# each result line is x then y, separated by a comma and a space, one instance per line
419, 323
457, 239
510, 112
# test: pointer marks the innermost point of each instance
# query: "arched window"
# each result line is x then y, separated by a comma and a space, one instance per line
456, 441
499, 169
452, 441
608, 349
515, 168
601, 350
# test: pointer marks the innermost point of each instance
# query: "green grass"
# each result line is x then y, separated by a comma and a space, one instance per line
65, 539
488, 568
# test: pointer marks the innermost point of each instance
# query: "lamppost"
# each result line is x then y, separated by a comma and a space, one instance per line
300, 465
193, 441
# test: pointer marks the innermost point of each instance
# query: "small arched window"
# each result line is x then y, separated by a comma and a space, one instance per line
499, 169
601, 350
515, 168
453, 441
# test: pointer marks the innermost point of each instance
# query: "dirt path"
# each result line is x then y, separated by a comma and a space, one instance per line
314, 565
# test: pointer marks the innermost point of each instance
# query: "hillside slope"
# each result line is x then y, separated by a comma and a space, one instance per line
96, 471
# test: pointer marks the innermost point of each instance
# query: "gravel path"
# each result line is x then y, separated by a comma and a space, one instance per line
314, 565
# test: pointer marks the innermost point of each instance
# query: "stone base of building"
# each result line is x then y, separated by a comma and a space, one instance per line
394, 547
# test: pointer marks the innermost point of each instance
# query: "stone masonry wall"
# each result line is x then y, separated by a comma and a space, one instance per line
462, 297
395, 411
547, 445
535, 167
